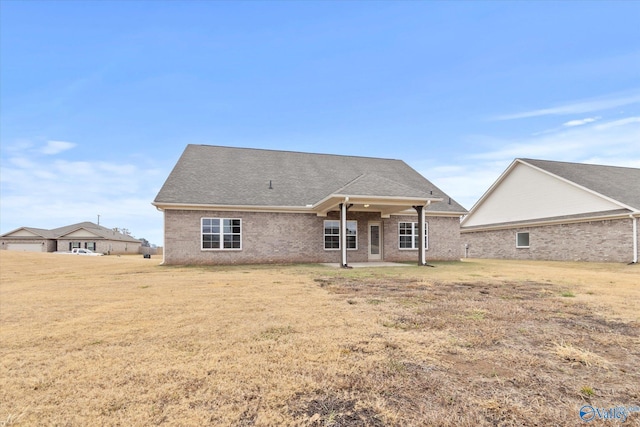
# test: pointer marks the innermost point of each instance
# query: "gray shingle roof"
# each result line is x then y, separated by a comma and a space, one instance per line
227, 176
104, 232
47, 234
618, 183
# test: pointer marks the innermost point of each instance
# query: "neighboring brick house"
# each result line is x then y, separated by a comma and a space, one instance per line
85, 235
549, 210
225, 205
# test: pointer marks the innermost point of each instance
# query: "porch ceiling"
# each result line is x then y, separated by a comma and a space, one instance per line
386, 206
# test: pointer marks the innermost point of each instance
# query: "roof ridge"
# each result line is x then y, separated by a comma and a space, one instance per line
382, 178
294, 152
356, 179
527, 160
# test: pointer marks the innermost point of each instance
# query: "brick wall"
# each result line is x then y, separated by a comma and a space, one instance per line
596, 241
444, 239
286, 238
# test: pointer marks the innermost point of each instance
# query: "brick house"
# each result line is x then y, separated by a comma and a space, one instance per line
85, 235
549, 210
225, 205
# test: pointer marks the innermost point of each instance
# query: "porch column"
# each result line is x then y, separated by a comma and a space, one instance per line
634, 220
422, 256
343, 233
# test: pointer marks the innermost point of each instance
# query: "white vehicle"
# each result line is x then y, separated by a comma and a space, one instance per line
80, 251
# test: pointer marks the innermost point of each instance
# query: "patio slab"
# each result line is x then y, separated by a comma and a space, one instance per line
366, 264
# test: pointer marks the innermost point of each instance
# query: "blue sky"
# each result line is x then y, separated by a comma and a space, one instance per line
98, 99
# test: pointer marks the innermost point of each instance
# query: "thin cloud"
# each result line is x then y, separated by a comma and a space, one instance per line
581, 122
615, 123
74, 191
55, 147
612, 142
574, 143
577, 107
467, 184
22, 163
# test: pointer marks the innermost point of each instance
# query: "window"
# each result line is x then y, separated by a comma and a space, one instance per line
221, 233
522, 240
408, 235
332, 234
90, 245
74, 245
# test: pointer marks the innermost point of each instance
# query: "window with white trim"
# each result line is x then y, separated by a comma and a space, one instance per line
408, 235
522, 240
90, 245
221, 233
332, 235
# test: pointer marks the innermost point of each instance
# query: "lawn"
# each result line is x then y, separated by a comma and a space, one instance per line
124, 341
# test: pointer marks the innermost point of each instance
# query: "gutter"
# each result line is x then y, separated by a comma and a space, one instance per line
538, 223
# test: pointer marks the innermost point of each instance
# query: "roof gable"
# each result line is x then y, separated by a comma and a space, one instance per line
536, 190
80, 233
29, 232
91, 230
225, 176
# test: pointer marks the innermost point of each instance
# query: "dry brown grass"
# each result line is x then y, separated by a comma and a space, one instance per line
123, 341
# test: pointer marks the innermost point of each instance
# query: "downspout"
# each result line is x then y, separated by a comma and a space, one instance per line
634, 221
164, 234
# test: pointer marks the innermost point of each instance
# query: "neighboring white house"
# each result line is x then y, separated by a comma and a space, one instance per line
539, 209
85, 235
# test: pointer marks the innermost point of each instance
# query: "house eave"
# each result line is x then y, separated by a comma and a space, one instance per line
385, 205
30, 238
228, 208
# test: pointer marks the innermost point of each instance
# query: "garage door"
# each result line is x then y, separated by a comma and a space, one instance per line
25, 247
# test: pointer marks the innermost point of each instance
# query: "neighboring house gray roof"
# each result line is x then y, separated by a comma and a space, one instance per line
227, 176
61, 232
47, 234
104, 232
618, 183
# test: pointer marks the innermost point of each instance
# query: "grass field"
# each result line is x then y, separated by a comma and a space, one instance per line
124, 341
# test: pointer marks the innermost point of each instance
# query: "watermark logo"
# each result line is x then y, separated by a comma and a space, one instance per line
620, 413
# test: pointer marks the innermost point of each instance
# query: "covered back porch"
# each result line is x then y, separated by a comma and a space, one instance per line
378, 207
